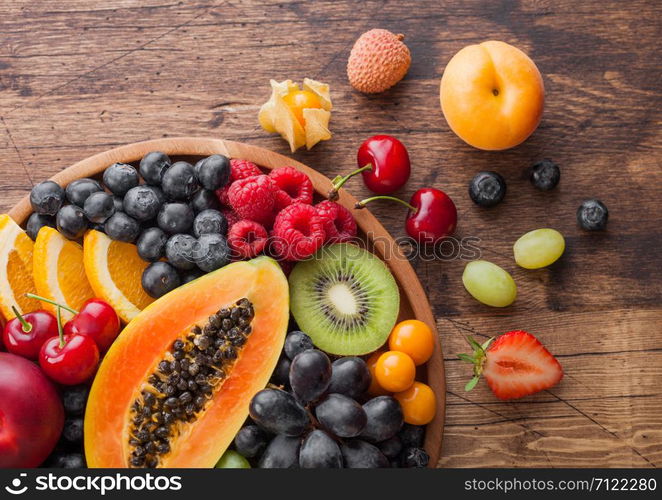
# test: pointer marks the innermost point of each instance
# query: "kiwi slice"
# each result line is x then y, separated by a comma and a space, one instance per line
345, 299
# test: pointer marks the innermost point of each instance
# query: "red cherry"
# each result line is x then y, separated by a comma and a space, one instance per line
434, 217
98, 320
432, 214
390, 164
384, 164
69, 359
25, 334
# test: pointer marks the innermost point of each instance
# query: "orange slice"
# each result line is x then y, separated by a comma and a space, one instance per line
15, 269
59, 273
115, 270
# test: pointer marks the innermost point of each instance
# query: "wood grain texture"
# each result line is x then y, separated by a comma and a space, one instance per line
78, 77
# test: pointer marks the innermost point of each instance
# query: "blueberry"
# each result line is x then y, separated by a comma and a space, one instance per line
190, 275
74, 400
213, 172
181, 250
73, 430
179, 181
71, 221
120, 177
159, 278
213, 252
36, 222
175, 218
205, 199
210, 221
297, 342
79, 190
414, 457
545, 175
119, 204
153, 166
46, 198
151, 244
142, 203
121, 227
487, 189
99, 206
592, 215
69, 461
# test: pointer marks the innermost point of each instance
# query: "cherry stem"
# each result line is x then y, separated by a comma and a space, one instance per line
340, 180
363, 203
60, 332
52, 302
27, 327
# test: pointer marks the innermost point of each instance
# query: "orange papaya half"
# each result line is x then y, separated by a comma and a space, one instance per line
174, 388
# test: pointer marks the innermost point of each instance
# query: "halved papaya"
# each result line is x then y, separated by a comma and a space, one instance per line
174, 388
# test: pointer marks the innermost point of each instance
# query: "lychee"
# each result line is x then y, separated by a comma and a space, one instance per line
378, 60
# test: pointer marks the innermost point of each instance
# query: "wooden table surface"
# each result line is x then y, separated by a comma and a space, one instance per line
78, 77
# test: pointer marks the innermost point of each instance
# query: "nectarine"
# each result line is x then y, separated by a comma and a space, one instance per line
492, 95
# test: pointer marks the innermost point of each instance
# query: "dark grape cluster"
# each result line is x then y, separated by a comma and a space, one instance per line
316, 414
173, 214
68, 453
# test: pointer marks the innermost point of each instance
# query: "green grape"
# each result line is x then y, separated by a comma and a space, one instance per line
232, 460
489, 284
539, 248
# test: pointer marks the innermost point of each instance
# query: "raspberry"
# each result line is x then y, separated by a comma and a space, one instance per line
286, 266
298, 232
247, 239
231, 216
339, 224
239, 169
294, 186
254, 198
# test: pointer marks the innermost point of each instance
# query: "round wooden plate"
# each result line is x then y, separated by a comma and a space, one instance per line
413, 303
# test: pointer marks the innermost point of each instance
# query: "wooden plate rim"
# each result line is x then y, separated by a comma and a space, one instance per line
400, 266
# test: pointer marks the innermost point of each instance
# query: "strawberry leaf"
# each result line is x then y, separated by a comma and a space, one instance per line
471, 384
475, 345
466, 357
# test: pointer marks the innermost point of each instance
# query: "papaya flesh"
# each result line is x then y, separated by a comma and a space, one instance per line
174, 388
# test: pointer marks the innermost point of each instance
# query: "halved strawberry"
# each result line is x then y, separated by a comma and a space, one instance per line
514, 365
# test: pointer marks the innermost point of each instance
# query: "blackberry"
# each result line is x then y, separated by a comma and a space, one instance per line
414, 457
